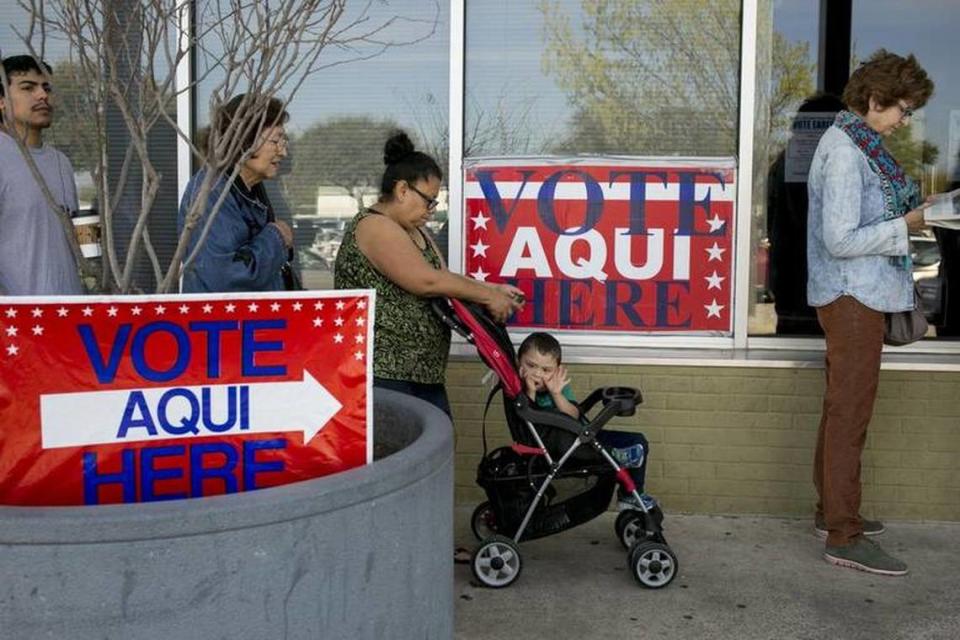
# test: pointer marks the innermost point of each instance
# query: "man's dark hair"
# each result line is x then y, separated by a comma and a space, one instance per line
544, 343
15, 65
405, 163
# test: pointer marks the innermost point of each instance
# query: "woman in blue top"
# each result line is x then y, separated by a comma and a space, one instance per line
246, 249
862, 209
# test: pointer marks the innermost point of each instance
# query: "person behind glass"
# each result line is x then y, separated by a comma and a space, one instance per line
547, 384
385, 247
246, 248
862, 209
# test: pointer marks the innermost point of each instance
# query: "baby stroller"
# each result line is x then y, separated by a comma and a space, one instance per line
555, 475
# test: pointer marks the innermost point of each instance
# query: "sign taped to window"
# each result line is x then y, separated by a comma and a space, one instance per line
617, 245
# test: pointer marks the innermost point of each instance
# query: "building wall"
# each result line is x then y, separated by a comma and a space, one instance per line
740, 440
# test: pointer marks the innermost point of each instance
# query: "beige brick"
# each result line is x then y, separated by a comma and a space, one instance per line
676, 469
763, 471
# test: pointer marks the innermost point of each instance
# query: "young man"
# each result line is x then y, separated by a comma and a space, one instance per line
35, 257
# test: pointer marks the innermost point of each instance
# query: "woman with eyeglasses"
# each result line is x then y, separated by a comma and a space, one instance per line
247, 248
387, 247
862, 209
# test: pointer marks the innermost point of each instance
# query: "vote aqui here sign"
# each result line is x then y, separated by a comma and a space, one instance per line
146, 398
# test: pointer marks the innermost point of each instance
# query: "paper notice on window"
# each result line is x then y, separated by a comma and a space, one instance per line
805, 133
944, 210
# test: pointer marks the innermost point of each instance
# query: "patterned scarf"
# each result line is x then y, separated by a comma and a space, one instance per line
900, 193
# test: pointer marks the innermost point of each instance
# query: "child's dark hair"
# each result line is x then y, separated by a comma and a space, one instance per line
405, 163
544, 343
14, 65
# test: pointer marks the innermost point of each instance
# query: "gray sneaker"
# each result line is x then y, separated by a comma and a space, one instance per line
865, 555
870, 527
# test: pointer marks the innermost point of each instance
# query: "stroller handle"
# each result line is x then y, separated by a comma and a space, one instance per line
620, 401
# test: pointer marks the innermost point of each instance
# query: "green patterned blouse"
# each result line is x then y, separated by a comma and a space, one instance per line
410, 342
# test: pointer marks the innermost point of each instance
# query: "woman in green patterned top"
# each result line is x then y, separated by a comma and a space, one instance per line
386, 248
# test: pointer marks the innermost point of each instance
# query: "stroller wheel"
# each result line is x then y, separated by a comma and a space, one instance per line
653, 564
629, 528
483, 523
496, 562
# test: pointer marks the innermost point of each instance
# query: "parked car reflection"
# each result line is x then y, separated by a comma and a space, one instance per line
926, 275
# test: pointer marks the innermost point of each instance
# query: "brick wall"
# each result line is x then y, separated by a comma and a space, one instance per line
740, 440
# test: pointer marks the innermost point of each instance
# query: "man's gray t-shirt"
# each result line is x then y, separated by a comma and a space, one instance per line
35, 258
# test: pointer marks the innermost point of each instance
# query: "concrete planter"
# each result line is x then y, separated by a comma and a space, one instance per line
360, 554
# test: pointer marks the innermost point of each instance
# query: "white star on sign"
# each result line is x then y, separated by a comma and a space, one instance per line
136, 311
317, 322
87, 312
340, 305
359, 338
11, 313
715, 223
716, 253
37, 330
112, 312
358, 355
713, 282
362, 304
360, 321
37, 313
338, 338
208, 308
713, 309
230, 308
253, 306
338, 322
62, 312
160, 309
184, 309
479, 274
479, 249
275, 307
297, 306
11, 331
318, 305
13, 350
479, 221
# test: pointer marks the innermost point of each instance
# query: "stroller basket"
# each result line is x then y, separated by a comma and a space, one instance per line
511, 481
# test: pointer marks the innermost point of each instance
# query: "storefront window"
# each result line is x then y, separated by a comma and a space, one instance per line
631, 77
341, 116
794, 106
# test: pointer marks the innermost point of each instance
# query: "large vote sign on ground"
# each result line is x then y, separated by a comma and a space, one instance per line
138, 399
643, 245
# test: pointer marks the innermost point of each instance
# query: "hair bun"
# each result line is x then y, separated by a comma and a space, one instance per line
398, 147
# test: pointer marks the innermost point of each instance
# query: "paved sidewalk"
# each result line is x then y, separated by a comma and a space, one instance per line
740, 577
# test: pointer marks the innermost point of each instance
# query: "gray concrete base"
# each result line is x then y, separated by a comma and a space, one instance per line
740, 578
361, 554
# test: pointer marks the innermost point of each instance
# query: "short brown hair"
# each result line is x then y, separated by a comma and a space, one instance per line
543, 343
275, 116
887, 78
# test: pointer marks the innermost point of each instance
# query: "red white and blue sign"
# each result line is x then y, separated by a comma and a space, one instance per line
147, 398
635, 245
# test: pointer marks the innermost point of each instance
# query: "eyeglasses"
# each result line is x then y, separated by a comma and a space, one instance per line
905, 112
431, 202
280, 143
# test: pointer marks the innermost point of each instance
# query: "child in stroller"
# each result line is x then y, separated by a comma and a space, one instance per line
557, 474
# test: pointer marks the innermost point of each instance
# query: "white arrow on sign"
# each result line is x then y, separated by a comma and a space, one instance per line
95, 417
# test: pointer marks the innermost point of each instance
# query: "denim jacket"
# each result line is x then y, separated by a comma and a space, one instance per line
848, 241
242, 252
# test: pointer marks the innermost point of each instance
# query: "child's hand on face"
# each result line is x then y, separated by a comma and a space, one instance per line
556, 382
529, 381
